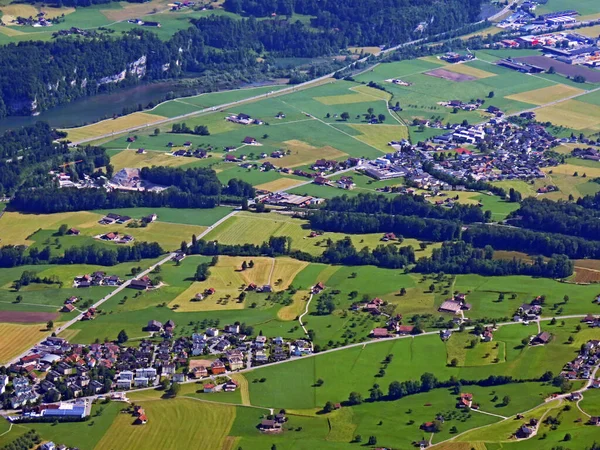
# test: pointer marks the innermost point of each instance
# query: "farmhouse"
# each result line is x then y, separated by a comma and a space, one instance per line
450, 306
380, 333
541, 339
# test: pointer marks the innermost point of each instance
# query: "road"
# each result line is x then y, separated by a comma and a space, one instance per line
305, 313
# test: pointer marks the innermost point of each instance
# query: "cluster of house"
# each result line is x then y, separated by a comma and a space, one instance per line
529, 311
112, 218
583, 365
144, 23
116, 237
587, 153
454, 58
525, 19
515, 152
289, 200
96, 279
69, 371
178, 6
243, 119
39, 20
69, 305
455, 305
273, 424
52, 446
459, 104
199, 153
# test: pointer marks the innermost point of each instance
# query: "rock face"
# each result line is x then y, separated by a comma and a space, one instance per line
76, 86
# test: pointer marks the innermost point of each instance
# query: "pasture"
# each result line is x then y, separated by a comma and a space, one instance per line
483, 293
291, 385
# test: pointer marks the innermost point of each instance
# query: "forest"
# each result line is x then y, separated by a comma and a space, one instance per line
370, 22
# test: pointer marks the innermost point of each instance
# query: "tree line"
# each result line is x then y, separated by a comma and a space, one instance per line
530, 241
405, 205
19, 255
460, 258
409, 226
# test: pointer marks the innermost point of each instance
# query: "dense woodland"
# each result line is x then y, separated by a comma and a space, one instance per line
29, 153
191, 188
370, 22
19, 255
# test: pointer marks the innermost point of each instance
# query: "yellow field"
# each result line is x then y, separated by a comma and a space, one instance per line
379, 135
468, 70
570, 169
484, 32
16, 338
572, 114
344, 99
377, 93
138, 119
369, 50
434, 59
227, 279
243, 385
11, 12
129, 158
546, 95
175, 424
16, 227
303, 153
133, 10
292, 311
278, 185
467, 198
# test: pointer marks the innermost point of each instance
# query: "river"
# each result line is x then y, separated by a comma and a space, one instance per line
97, 107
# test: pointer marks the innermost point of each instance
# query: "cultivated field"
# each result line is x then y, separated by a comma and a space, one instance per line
207, 426
466, 69
228, 280
546, 95
16, 338
137, 119
573, 114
